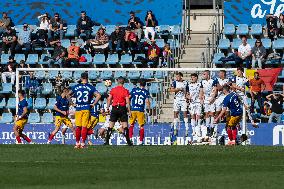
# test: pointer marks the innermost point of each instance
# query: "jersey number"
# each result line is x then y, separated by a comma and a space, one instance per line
82, 96
139, 99
237, 103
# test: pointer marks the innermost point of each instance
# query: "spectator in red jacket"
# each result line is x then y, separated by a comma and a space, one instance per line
153, 53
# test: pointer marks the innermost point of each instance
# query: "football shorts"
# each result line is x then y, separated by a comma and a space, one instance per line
21, 123
93, 122
82, 118
62, 120
139, 116
180, 105
233, 121
195, 109
219, 103
118, 113
209, 107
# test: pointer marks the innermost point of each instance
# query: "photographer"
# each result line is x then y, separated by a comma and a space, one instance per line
276, 101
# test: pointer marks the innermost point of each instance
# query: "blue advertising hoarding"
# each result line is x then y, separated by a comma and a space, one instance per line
157, 134
251, 11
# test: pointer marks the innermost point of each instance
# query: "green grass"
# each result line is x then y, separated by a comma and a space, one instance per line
57, 166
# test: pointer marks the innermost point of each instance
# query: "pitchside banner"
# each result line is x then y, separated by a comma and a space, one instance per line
157, 134
251, 11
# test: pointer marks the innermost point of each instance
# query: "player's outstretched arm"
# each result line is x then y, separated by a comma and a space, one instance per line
98, 97
220, 115
57, 110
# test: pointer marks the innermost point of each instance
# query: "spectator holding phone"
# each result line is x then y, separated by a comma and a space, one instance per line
151, 22
134, 23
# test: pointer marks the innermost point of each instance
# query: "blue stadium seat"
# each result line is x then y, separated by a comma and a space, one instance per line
106, 75
89, 59
147, 74
137, 58
18, 28
77, 74
70, 31
30, 103
66, 75
2, 103
266, 42
19, 57
236, 43
95, 30
224, 44
52, 74
47, 88
7, 118
5, 58
51, 103
163, 30
112, 86
133, 75
251, 42
41, 61
32, 59
110, 29
256, 29
40, 103
65, 43
99, 59
72, 84
229, 29
94, 74
242, 29
118, 74
159, 75
232, 62
126, 59
153, 103
278, 44
40, 74
129, 86
175, 30
217, 56
160, 43
101, 88
6, 88
281, 76
112, 59
11, 104
47, 118
34, 118
154, 88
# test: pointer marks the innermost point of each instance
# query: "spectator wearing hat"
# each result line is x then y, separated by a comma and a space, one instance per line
5, 22
73, 54
55, 27
24, 39
134, 23
116, 40
130, 40
84, 26
244, 53
151, 23
44, 22
257, 86
276, 101
58, 54
153, 53
9, 42
258, 54
9, 71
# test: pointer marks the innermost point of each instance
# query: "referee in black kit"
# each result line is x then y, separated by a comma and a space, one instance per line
119, 99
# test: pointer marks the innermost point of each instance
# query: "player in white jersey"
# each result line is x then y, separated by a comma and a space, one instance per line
180, 88
194, 96
209, 91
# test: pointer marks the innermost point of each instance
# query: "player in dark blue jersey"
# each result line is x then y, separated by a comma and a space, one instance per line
232, 103
139, 98
61, 116
21, 119
84, 93
95, 112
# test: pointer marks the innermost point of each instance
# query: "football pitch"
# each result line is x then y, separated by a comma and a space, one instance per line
59, 166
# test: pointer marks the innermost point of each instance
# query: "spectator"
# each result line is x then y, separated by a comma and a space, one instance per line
153, 53
116, 40
84, 26
258, 54
276, 101
134, 23
58, 54
244, 53
43, 26
9, 71
130, 39
9, 42
167, 55
5, 23
271, 22
280, 25
150, 22
257, 87
32, 85
100, 43
55, 27
24, 39
73, 54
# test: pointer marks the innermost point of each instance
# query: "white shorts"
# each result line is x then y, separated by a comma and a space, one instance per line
209, 107
195, 108
180, 105
219, 103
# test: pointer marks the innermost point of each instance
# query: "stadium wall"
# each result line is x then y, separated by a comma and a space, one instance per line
103, 11
157, 134
251, 11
